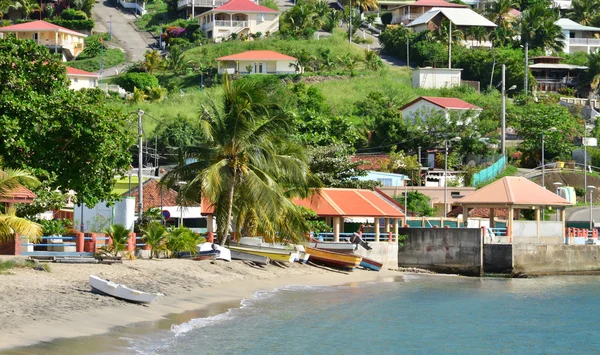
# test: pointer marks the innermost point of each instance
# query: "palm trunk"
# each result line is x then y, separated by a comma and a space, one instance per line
229, 211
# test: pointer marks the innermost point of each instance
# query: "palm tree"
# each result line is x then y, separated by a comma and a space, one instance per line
152, 61
26, 7
537, 28
247, 158
372, 60
477, 33
584, 11
350, 62
499, 10
365, 5
10, 224
154, 236
119, 235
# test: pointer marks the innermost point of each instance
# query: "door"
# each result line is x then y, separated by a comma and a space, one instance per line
259, 68
35, 37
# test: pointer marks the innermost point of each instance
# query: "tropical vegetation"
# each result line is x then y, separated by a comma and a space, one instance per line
10, 224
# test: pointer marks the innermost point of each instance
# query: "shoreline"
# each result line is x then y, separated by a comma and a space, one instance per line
225, 283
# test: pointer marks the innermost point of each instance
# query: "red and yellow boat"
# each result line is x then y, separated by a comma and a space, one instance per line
333, 259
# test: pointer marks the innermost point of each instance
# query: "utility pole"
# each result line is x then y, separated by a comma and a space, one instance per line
449, 46
585, 159
140, 163
525, 84
503, 110
407, 53
419, 165
350, 22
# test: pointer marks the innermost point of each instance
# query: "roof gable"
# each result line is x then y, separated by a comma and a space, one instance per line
570, 25
436, 3
449, 103
458, 16
512, 190
38, 26
79, 72
242, 6
258, 55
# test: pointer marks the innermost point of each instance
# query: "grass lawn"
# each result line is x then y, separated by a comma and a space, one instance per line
112, 57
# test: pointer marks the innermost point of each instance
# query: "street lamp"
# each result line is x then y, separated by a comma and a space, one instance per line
553, 129
504, 108
591, 189
585, 144
557, 186
455, 139
406, 180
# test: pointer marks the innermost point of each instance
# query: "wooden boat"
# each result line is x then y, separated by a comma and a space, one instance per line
258, 259
275, 254
338, 247
121, 292
212, 250
371, 264
333, 259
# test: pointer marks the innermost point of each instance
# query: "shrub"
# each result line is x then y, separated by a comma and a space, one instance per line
119, 236
138, 80
55, 226
183, 240
72, 14
75, 25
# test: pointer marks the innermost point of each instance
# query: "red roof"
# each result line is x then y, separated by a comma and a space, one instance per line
257, 55
444, 102
436, 3
341, 203
34, 26
75, 71
242, 6
19, 194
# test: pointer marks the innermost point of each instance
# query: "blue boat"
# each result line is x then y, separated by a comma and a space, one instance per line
370, 264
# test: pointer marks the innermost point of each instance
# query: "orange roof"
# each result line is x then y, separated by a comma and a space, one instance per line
257, 55
340, 203
79, 72
444, 102
512, 190
35, 26
242, 6
20, 194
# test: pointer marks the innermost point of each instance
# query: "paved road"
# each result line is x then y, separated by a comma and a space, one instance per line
582, 213
133, 42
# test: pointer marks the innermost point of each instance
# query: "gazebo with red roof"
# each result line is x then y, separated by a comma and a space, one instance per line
19, 194
335, 204
515, 194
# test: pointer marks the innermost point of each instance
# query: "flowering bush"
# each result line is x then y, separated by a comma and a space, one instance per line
175, 31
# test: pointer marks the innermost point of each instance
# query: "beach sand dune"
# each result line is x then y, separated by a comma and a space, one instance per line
40, 306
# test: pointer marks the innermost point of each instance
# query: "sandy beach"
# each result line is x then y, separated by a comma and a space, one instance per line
38, 306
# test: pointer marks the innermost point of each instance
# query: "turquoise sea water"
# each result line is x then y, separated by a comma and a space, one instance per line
408, 314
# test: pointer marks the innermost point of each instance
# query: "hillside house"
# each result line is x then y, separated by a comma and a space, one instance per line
579, 38
81, 79
238, 17
551, 75
404, 14
386, 179
56, 38
436, 78
425, 106
257, 62
461, 18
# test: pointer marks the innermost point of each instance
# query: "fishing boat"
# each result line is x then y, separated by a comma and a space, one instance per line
257, 259
333, 259
206, 251
338, 247
275, 254
303, 256
371, 264
121, 292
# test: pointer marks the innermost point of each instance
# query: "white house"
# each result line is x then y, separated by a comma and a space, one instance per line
423, 106
237, 17
408, 12
578, 38
81, 79
436, 78
461, 18
259, 62
386, 179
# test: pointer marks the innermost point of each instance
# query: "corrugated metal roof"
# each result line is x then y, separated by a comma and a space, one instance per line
570, 25
556, 66
458, 16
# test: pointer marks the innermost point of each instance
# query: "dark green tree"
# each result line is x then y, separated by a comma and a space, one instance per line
333, 166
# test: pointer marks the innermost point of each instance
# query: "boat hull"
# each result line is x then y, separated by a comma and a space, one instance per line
340, 247
258, 259
222, 253
333, 259
371, 264
121, 292
275, 255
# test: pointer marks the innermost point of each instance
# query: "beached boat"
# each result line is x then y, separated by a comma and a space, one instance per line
371, 264
275, 254
207, 251
257, 259
121, 292
338, 247
333, 259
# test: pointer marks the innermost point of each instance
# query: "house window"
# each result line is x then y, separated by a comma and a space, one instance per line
74, 80
571, 35
261, 17
385, 182
455, 194
92, 83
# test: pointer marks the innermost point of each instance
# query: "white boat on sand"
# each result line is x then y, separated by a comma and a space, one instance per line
121, 292
214, 249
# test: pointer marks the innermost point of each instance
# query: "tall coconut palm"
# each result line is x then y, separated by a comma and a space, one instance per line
247, 158
537, 28
27, 7
584, 12
10, 224
365, 5
498, 11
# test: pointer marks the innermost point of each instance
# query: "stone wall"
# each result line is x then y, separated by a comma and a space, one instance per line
445, 250
498, 258
556, 259
384, 252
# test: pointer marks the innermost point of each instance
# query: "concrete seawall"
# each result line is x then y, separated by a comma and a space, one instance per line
445, 250
556, 259
384, 252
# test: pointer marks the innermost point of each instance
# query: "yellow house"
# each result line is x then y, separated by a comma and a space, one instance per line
236, 17
258, 62
58, 39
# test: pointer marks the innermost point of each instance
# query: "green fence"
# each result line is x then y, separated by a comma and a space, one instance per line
490, 172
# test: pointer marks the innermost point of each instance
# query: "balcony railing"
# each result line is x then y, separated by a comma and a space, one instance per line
200, 3
585, 41
226, 23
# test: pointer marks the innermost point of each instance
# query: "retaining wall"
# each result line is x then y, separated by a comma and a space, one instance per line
553, 259
445, 250
384, 252
498, 258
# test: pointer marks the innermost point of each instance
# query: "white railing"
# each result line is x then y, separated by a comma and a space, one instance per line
586, 41
129, 4
578, 101
201, 3
242, 24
